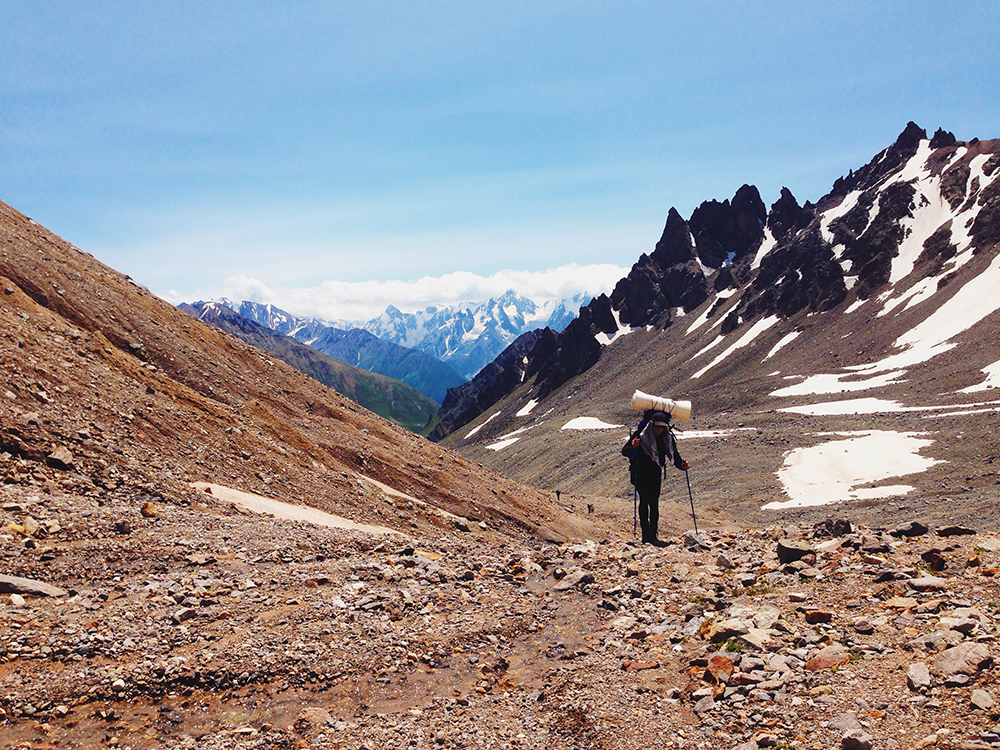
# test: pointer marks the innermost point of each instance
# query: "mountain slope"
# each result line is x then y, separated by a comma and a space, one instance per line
113, 392
387, 397
872, 311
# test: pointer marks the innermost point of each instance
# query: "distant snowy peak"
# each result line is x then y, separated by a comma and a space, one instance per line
466, 337
469, 337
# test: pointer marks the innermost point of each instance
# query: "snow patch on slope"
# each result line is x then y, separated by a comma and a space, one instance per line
474, 430
604, 340
838, 470
526, 409
745, 340
589, 423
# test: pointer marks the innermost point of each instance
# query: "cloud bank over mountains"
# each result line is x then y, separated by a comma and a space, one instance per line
354, 301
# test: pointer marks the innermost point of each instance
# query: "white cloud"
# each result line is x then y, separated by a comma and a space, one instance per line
362, 300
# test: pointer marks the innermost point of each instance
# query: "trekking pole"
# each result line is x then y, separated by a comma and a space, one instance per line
691, 498
635, 510
635, 491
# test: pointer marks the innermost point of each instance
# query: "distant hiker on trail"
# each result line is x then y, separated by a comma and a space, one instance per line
650, 450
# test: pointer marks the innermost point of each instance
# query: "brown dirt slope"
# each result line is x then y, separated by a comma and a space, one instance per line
146, 399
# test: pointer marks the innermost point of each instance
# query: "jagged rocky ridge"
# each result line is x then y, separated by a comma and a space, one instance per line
792, 259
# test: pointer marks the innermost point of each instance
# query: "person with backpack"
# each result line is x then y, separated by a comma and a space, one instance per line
649, 451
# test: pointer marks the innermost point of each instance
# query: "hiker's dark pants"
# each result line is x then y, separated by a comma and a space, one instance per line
648, 486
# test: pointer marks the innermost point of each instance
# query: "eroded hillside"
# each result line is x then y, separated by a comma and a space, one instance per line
108, 389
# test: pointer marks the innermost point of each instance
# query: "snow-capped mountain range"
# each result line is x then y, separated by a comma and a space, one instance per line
465, 337
469, 337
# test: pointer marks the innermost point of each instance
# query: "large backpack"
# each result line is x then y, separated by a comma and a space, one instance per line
633, 459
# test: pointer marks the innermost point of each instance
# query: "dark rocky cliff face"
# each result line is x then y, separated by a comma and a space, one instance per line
801, 274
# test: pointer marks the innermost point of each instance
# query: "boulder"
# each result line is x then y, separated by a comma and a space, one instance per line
965, 658
790, 551
913, 528
15, 585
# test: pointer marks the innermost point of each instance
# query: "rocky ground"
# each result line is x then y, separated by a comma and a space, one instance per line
193, 624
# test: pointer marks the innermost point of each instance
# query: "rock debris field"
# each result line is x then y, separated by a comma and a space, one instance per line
134, 622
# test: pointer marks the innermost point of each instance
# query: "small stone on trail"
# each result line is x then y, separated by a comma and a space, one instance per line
832, 656
954, 531
576, 578
900, 602
60, 458
693, 541
816, 616
183, 614
864, 626
705, 704
720, 668
310, 718
927, 583
856, 739
918, 677
913, 528
982, 700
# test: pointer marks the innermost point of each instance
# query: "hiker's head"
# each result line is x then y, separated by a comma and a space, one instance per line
660, 422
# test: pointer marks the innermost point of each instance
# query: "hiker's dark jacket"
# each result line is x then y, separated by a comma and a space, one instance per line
653, 454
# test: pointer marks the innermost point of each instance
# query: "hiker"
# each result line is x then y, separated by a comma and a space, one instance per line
650, 450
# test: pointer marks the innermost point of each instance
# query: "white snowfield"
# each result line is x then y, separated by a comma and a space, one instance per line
589, 423
846, 469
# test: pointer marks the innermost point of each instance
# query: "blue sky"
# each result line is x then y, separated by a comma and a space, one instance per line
299, 152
